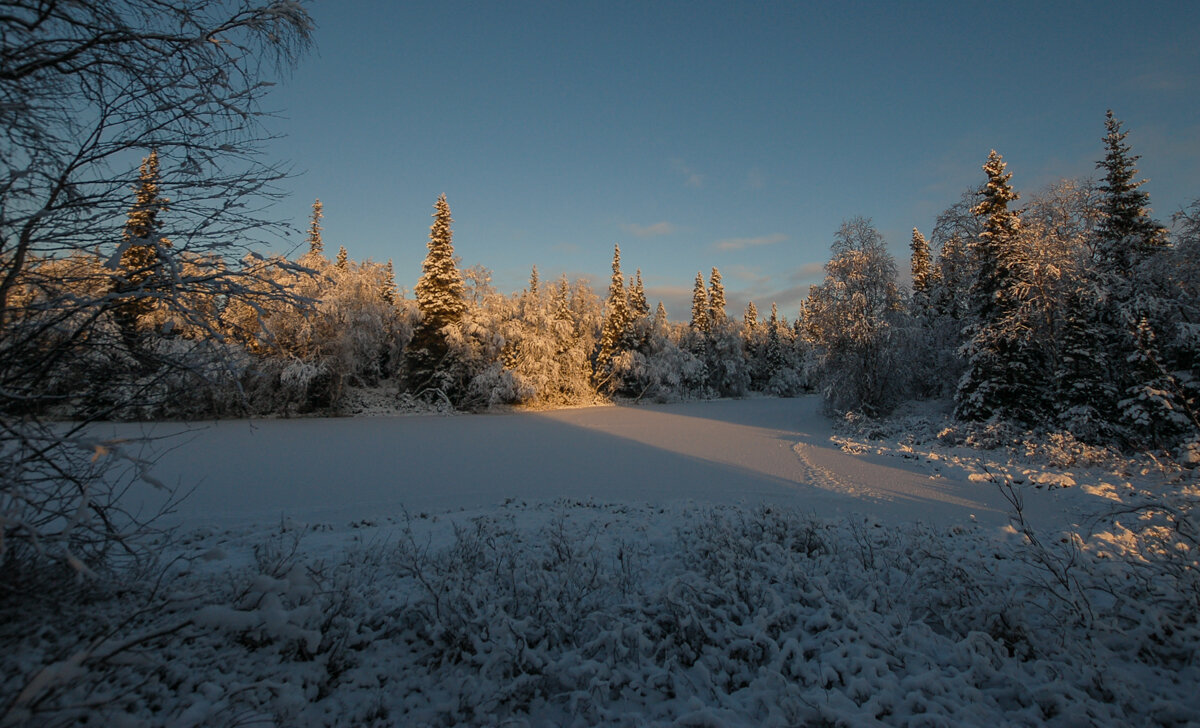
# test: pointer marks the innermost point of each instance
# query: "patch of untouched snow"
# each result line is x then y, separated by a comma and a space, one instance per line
721, 452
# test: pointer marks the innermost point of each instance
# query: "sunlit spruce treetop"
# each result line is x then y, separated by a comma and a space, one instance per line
315, 244
994, 245
1126, 231
440, 294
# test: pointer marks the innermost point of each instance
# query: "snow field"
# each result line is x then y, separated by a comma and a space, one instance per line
777, 578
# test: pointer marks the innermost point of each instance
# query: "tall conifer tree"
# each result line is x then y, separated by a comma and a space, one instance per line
1126, 234
1003, 367
142, 243
699, 305
922, 269
442, 303
716, 300
316, 245
615, 332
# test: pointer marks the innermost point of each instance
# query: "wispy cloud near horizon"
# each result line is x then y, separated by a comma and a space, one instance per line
650, 231
743, 243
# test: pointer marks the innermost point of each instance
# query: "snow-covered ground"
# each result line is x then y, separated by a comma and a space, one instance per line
700, 564
748, 452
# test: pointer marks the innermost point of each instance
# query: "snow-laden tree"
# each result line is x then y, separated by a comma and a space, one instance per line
140, 277
716, 299
851, 319
639, 307
1003, 362
699, 321
316, 246
1126, 234
922, 272
616, 333
1138, 302
441, 300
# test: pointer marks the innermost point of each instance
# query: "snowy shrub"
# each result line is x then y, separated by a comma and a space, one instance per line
574, 614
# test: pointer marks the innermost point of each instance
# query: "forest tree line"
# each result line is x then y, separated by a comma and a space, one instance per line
1073, 311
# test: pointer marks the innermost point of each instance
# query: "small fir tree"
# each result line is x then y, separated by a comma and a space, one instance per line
343, 258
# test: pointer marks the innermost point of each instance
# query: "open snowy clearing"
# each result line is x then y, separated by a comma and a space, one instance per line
749, 452
698, 564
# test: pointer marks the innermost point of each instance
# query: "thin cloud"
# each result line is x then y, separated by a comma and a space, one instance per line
743, 243
650, 231
691, 177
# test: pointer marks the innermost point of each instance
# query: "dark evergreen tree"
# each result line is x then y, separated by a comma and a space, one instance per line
775, 354
1003, 367
1126, 234
1136, 301
142, 250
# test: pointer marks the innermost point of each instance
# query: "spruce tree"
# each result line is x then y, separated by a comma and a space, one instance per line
389, 284
660, 316
615, 332
343, 258
533, 282
440, 291
315, 245
1126, 234
560, 300
776, 359
142, 244
1003, 368
716, 300
441, 301
750, 320
1130, 312
922, 269
639, 308
700, 323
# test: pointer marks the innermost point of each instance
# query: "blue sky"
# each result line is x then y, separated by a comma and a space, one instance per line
698, 134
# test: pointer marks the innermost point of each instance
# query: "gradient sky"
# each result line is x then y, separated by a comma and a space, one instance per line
700, 134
